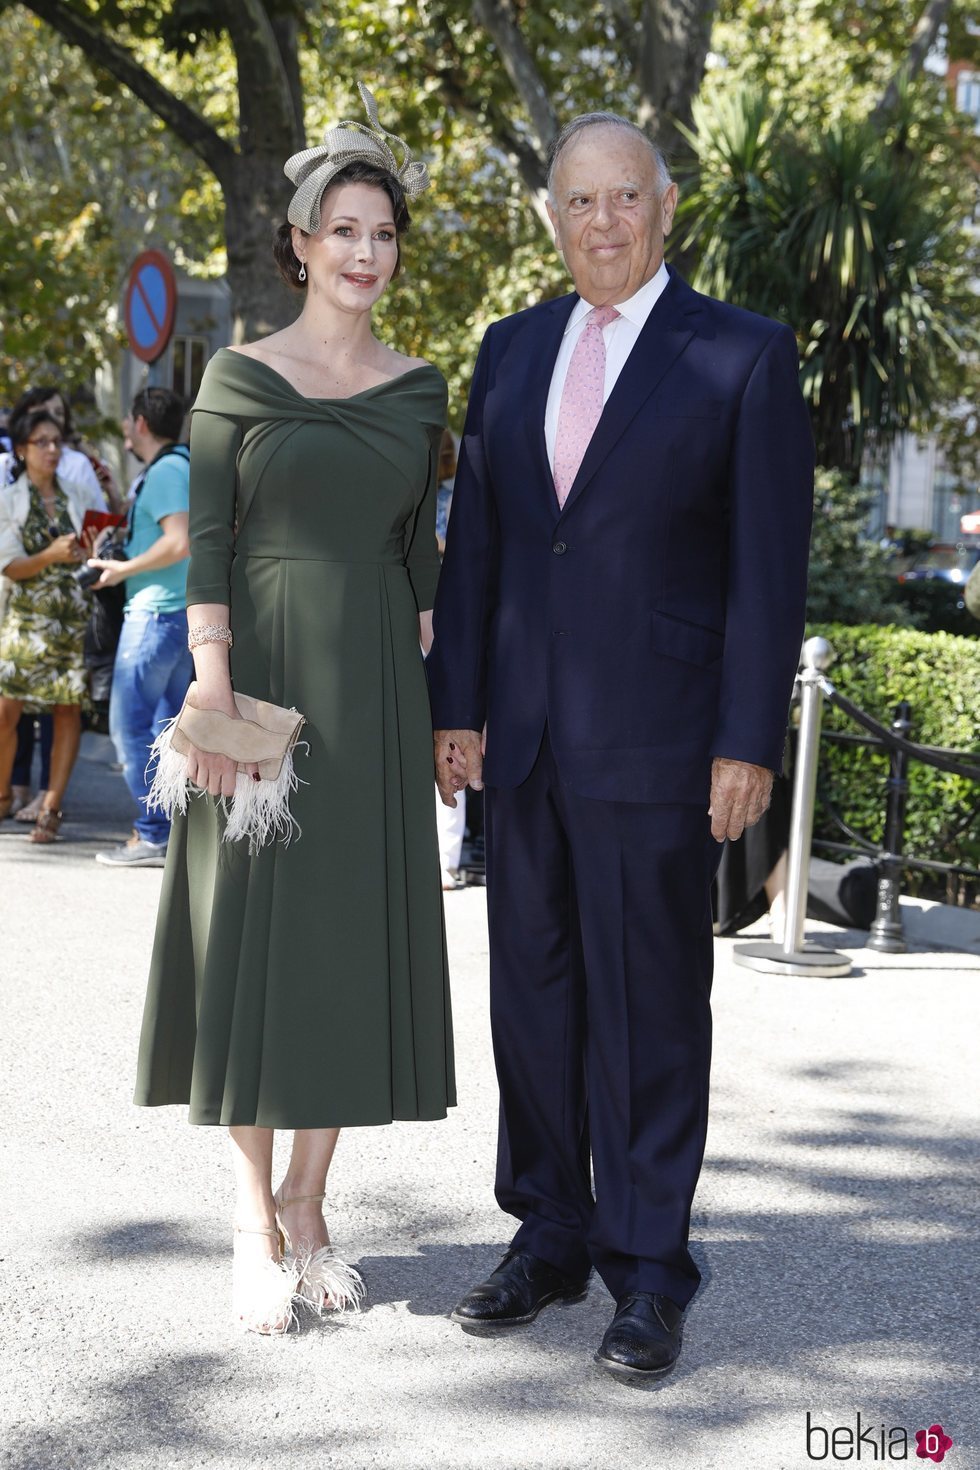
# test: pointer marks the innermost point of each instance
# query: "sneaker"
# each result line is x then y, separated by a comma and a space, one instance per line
136, 853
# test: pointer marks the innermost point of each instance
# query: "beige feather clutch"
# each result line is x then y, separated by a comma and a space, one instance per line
265, 735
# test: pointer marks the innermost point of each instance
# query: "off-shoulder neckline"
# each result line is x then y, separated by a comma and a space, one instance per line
426, 367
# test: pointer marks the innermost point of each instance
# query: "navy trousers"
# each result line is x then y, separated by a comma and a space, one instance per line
600, 980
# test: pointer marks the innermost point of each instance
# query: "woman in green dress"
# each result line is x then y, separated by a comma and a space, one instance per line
42, 626
305, 987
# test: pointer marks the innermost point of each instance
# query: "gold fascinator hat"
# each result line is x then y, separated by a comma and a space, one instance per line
312, 170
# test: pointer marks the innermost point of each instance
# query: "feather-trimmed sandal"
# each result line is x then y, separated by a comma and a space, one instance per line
47, 824
326, 1282
262, 1291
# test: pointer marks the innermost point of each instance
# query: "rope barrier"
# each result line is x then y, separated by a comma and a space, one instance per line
928, 754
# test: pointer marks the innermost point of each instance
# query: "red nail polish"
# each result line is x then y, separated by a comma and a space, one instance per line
256, 776
449, 759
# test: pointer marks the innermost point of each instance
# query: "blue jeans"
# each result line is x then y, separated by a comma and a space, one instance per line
149, 680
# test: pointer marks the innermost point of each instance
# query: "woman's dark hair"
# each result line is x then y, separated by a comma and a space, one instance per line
23, 422
34, 397
357, 172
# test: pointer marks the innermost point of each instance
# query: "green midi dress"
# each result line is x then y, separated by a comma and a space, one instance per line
307, 987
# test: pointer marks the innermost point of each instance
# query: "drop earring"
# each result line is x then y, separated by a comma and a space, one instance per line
302, 270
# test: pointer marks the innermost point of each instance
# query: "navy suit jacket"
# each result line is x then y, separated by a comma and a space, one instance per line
656, 620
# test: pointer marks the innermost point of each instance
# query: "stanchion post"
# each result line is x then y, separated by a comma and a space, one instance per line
887, 934
804, 796
794, 956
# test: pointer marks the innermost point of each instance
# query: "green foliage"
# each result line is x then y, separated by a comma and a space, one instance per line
852, 579
87, 179
939, 675
857, 239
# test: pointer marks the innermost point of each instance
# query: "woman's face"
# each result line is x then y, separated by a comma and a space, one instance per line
41, 452
352, 257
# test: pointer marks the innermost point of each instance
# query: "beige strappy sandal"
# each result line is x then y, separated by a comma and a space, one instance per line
262, 1291
47, 824
326, 1282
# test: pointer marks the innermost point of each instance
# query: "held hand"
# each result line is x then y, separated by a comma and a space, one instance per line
64, 548
740, 794
113, 572
459, 762
216, 774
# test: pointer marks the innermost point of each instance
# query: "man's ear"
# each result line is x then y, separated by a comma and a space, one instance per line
668, 204
553, 216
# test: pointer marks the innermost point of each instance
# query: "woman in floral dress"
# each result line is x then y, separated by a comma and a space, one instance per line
43, 624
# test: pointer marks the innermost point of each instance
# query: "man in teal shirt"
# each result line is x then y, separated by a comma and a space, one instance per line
153, 667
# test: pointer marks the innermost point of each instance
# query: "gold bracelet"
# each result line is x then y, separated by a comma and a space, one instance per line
209, 633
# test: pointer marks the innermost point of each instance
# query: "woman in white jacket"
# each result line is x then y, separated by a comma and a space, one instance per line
42, 630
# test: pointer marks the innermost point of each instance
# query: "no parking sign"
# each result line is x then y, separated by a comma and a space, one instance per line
151, 304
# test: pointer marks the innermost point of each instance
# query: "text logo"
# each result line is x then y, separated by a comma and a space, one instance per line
873, 1443
932, 1443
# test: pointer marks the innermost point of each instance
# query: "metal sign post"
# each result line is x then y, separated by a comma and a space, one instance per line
794, 956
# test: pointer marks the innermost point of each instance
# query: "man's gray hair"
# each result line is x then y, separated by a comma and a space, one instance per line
595, 120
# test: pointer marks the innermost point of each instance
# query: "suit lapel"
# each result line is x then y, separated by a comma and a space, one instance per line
667, 331
535, 350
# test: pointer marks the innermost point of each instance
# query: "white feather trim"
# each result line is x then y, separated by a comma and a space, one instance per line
327, 1283
262, 1295
259, 810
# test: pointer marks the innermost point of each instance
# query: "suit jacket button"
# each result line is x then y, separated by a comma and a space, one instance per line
559, 548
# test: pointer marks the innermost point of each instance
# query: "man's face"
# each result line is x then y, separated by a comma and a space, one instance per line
609, 216
134, 436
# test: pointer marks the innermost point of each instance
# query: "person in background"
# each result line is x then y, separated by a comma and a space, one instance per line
43, 627
74, 464
153, 666
450, 821
86, 469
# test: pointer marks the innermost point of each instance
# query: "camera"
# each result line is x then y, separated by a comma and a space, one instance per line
111, 549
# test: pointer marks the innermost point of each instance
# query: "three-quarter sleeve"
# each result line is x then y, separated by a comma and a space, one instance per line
215, 442
422, 554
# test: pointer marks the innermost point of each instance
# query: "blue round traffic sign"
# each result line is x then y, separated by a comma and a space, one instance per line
151, 304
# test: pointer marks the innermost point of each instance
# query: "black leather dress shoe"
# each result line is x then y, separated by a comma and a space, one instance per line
643, 1341
515, 1293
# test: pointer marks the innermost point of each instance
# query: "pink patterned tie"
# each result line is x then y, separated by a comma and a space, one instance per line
581, 399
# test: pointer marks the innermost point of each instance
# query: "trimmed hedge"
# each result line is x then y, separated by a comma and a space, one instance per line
939, 674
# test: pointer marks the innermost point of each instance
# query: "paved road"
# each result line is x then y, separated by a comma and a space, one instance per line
835, 1225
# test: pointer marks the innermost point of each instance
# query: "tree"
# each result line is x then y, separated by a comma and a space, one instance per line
264, 39
509, 68
87, 178
855, 237
851, 580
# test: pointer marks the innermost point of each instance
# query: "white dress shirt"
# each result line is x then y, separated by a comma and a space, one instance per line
619, 336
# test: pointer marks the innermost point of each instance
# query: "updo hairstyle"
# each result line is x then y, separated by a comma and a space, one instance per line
357, 172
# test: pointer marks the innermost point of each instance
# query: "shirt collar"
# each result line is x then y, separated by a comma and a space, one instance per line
636, 309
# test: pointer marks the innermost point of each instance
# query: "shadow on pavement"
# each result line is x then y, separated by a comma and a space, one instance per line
142, 1239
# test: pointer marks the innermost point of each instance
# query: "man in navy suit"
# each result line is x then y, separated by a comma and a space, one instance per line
616, 635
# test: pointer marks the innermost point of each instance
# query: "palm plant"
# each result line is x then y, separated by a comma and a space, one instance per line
851, 239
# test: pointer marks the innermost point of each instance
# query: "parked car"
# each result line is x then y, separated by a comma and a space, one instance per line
932, 585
